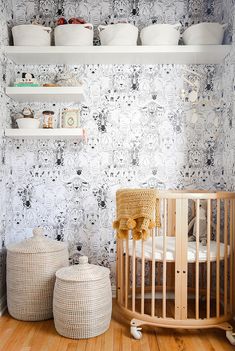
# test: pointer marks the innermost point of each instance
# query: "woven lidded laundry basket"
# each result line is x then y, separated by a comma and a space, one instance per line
31, 267
82, 303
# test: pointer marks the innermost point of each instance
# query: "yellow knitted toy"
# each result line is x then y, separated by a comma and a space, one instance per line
137, 210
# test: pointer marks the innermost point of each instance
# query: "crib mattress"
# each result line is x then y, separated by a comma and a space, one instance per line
170, 250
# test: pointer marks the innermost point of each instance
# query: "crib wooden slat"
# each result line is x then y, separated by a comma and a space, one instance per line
231, 254
218, 258
232, 257
226, 257
133, 274
153, 274
181, 293
118, 271
142, 278
208, 281
164, 261
127, 272
197, 258
121, 271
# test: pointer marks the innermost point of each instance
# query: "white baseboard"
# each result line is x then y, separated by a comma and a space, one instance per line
3, 305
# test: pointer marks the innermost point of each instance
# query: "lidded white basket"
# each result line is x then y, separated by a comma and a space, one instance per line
82, 303
31, 267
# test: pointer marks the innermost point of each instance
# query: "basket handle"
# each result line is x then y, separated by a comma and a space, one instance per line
177, 26
38, 232
88, 26
101, 27
47, 29
225, 26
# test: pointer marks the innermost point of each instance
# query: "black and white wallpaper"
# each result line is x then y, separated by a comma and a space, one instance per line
145, 129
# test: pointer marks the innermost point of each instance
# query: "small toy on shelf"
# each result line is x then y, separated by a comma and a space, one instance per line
26, 80
27, 112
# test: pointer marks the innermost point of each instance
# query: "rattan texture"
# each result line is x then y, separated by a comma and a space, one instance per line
31, 279
82, 309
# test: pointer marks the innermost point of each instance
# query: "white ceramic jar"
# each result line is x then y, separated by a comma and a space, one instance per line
204, 34
31, 35
74, 34
118, 34
28, 123
160, 34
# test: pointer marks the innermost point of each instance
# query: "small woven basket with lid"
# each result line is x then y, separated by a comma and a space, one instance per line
31, 267
82, 303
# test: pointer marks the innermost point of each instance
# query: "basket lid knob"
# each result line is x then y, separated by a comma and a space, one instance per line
38, 232
83, 259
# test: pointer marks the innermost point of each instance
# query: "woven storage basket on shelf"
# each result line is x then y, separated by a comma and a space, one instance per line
82, 303
31, 267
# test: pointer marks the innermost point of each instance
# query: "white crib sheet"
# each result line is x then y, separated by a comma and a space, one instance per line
170, 251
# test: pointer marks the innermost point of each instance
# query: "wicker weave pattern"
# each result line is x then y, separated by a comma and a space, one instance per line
82, 309
30, 283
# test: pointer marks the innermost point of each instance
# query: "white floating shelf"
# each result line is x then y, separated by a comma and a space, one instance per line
45, 94
42, 133
188, 54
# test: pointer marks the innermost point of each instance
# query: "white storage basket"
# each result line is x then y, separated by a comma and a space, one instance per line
160, 34
118, 34
74, 34
82, 301
31, 267
31, 35
204, 34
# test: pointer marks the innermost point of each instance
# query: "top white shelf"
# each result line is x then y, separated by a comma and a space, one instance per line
188, 54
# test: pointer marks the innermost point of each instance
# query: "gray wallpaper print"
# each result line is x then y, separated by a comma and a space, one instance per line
143, 131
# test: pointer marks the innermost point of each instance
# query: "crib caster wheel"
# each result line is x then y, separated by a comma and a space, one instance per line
231, 337
136, 333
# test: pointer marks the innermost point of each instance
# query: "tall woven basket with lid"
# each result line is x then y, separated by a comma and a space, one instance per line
31, 267
82, 303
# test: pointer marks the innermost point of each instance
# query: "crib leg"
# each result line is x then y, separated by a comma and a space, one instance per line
231, 337
135, 330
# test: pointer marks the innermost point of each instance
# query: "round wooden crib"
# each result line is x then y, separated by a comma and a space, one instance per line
167, 281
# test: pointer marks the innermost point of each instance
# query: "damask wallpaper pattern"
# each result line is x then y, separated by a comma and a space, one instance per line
143, 131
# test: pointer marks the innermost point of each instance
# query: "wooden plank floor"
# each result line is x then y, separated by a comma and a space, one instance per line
41, 336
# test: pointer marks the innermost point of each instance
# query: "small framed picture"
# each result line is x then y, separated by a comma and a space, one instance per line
70, 119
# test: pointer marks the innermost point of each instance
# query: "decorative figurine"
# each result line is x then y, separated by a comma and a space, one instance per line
27, 80
27, 112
